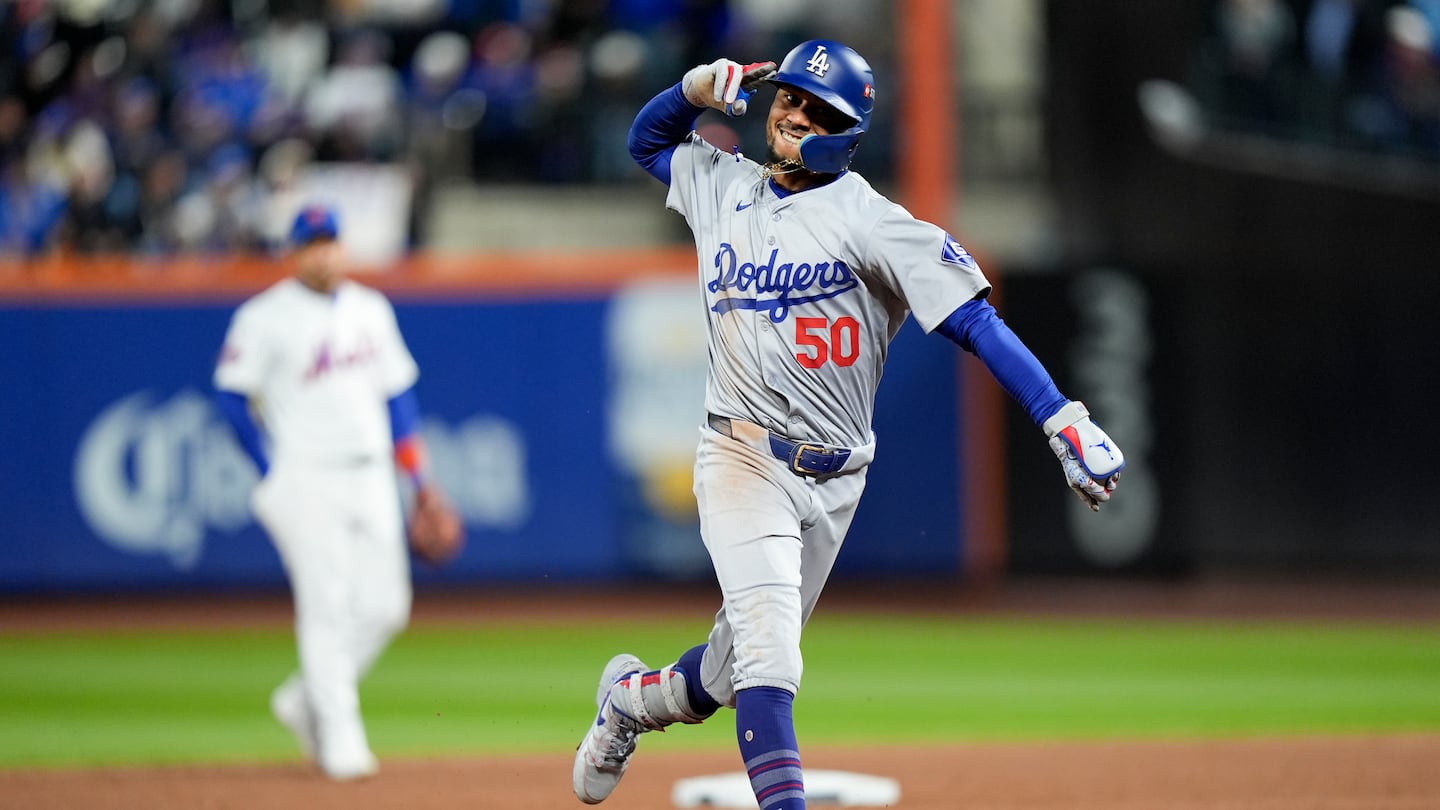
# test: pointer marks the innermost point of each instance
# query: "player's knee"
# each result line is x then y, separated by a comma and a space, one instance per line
743, 682
397, 619
387, 616
723, 691
768, 617
766, 623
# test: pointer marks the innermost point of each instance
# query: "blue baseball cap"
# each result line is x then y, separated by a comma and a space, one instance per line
314, 222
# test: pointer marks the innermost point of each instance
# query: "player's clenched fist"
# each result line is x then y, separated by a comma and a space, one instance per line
1089, 457
724, 84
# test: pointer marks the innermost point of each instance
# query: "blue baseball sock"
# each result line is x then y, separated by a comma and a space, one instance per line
689, 665
765, 727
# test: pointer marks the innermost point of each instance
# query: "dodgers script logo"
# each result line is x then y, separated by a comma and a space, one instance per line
780, 281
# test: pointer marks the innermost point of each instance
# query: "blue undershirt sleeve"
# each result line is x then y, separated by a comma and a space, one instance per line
977, 328
660, 126
235, 407
404, 414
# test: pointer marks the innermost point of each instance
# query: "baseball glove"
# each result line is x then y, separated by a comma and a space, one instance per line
436, 534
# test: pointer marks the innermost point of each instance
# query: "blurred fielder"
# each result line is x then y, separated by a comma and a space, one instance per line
322, 362
806, 273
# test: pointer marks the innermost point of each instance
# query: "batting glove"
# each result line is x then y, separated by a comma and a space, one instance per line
725, 85
1090, 459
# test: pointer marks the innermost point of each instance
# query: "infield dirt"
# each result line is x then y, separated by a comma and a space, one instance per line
1347, 773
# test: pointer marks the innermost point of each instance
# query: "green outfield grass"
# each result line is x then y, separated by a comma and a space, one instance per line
152, 697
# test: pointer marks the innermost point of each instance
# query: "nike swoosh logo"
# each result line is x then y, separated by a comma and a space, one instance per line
742, 206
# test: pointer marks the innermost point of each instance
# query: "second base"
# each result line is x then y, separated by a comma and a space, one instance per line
834, 788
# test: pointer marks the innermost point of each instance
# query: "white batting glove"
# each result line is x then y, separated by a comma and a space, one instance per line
725, 85
1090, 459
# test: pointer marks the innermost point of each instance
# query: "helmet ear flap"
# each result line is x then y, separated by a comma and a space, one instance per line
829, 154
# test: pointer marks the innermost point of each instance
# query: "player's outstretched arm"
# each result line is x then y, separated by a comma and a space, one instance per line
1089, 458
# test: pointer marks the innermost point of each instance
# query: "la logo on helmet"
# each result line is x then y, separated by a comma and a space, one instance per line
819, 63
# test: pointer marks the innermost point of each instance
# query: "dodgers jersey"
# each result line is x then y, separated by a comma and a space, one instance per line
804, 292
322, 368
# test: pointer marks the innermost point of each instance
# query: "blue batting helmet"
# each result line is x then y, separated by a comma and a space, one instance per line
841, 78
314, 222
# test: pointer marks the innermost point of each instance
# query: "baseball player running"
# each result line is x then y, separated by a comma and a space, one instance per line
806, 275
321, 360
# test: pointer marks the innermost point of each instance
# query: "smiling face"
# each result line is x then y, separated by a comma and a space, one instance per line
796, 113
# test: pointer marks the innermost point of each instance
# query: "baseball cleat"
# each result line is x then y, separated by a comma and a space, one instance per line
291, 709
604, 753
357, 763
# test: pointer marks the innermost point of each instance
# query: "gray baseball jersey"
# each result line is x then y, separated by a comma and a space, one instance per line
806, 291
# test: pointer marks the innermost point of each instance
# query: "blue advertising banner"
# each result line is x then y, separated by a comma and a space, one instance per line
563, 431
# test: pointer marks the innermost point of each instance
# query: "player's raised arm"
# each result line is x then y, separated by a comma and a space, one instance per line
1089, 458
667, 120
725, 85
660, 126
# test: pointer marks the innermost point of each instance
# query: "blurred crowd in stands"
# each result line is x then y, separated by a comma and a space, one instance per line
1351, 74
155, 127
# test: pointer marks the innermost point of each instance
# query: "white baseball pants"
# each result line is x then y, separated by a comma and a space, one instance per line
339, 532
773, 537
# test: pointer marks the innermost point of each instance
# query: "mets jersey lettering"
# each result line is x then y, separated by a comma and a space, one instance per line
327, 360
320, 367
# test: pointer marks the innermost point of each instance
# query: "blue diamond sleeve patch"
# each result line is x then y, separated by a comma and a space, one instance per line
954, 253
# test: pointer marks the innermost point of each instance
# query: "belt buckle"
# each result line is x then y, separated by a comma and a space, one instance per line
800, 448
